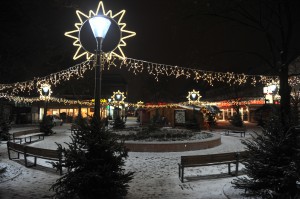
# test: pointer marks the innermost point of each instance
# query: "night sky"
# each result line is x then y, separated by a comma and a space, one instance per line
175, 32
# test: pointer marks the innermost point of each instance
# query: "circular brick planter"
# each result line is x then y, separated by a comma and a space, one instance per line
173, 146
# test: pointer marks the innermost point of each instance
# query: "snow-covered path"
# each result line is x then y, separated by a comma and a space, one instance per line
156, 174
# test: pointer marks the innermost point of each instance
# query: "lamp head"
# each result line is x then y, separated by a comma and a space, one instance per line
45, 91
193, 96
118, 97
109, 99
100, 25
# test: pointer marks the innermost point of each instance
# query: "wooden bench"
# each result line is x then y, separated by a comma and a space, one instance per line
208, 160
28, 134
234, 129
28, 151
18, 148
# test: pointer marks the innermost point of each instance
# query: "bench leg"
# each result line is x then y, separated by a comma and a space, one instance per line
179, 170
25, 158
229, 168
237, 168
35, 161
182, 174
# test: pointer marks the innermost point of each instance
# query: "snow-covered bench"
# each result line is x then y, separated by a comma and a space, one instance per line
28, 151
235, 129
211, 159
27, 134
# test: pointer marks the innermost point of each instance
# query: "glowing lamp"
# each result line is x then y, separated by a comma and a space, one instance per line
45, 91
193, 96
99, 25
118, 97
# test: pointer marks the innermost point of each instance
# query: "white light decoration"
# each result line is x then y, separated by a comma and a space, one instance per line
138, 66
194, 97
125, 34
118, 97
99, 25
45, 91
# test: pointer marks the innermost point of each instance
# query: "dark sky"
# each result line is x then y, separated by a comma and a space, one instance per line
175, 32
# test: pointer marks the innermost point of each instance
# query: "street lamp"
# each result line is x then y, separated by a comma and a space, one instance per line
99, 25
45, 93
119, 98
194, 97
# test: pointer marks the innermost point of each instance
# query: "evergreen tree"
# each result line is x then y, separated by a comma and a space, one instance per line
236, 120
94, 160
46, 125
4, 126
272, 167
118, 123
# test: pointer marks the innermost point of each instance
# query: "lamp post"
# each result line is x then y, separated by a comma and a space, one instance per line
194, 98
109, 100
45, 93
118, 98
99, 25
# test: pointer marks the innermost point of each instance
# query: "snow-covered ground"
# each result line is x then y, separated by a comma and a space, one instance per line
156, 174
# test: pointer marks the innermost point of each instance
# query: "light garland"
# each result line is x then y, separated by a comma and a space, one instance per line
156, 69
138, 66
53, 79
26, 100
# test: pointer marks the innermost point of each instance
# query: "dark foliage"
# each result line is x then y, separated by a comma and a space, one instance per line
273, 166
94, 161
236, 120
118, 123
46, 125
4, 129
211, 119
4, 126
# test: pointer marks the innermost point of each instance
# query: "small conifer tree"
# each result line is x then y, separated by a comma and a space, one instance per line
118, 123
46, 125
272, 167
94, 160
4, 126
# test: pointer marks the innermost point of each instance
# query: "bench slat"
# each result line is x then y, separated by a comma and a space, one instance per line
212, 158
47, 153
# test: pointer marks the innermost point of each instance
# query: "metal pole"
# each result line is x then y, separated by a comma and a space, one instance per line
109, 110
98, 76
45, 109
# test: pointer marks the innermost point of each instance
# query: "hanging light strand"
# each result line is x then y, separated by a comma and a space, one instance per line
138, 66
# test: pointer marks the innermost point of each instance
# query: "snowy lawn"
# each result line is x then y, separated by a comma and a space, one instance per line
156, 174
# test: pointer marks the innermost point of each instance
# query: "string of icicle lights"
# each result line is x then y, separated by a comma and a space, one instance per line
18, 99
138, 66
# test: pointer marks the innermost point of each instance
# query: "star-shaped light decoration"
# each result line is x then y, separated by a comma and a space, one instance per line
125, 34
118, 97
45, 91
194, 97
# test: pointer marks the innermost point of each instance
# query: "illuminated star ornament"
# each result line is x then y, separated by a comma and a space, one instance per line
118, 97
194, 97
45, 91
125, 34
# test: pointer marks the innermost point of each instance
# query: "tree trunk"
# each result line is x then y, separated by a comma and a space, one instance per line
285, 93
